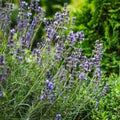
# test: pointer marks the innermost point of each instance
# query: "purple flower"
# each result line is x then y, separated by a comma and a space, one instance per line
20, 24
45, 21
98, 73
55, 23
50, 32
39, 9
43, 97
12, 31
24, 4
72, 38
73, 20
2, 60
97, 54
82, 76
20, 58
29, 14
58, 57
58, 117
48, 48
1, 94
57, 15
49, 85
1, 77
65, 5
105, 90
60, 48
48, 74
28, 36
51, 97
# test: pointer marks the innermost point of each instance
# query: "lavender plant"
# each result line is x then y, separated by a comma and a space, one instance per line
54, 80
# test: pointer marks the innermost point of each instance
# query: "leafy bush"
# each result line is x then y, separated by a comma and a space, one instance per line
53, 81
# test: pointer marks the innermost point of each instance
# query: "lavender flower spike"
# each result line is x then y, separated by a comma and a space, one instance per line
58, 117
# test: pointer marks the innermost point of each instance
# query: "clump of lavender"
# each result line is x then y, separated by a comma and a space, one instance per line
48, 74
